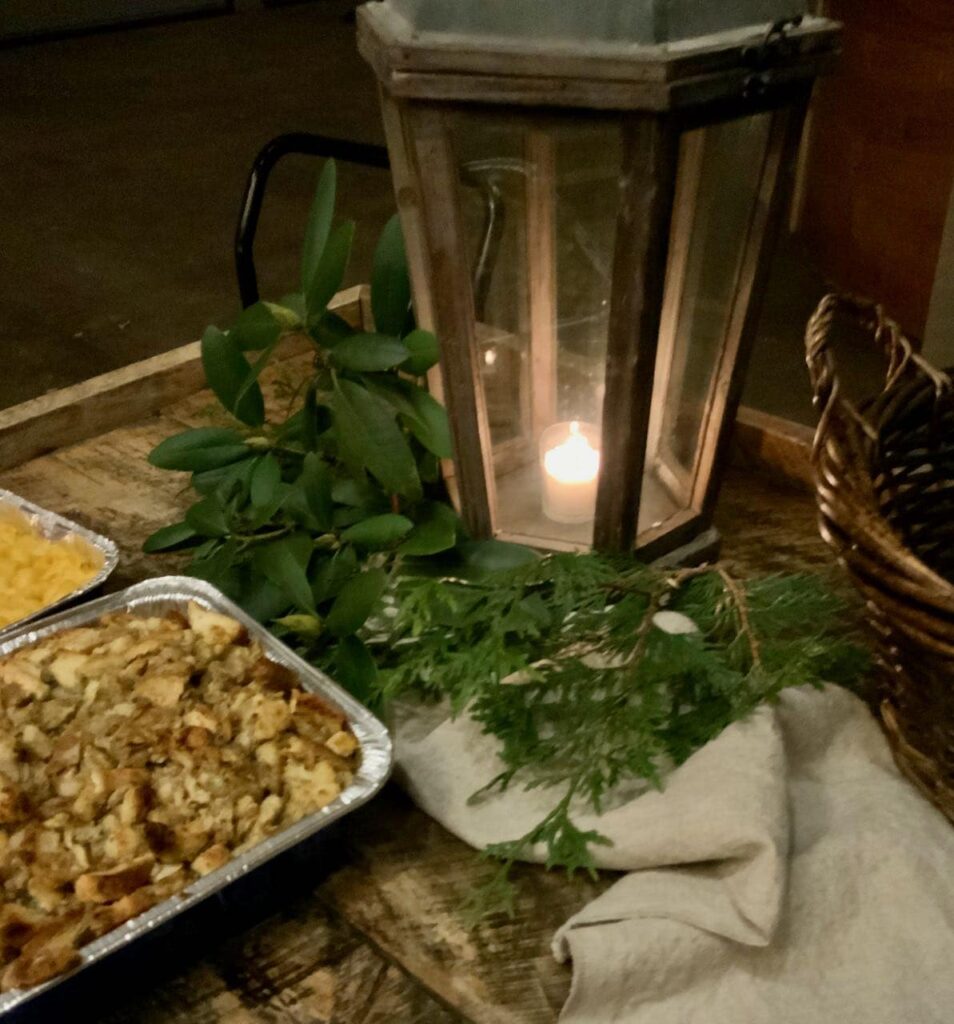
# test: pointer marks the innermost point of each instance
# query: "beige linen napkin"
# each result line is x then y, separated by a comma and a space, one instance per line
787, 873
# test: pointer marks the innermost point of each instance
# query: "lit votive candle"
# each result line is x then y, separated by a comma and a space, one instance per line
571, 467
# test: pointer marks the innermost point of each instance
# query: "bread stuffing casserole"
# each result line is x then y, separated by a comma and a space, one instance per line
136, 755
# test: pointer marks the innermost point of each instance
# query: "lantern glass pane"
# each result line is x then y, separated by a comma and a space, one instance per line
539, 204
717, 190
493, 200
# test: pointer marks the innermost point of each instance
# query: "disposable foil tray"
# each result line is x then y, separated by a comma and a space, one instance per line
56, 527
157, 597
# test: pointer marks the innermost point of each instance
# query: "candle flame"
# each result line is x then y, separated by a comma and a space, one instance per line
575, 461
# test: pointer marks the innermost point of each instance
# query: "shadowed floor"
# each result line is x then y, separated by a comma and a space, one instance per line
123, 160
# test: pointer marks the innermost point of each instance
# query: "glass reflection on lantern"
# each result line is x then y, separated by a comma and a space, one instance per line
540, 219
538, 216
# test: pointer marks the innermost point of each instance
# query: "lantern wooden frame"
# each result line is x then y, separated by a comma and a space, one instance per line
657, 93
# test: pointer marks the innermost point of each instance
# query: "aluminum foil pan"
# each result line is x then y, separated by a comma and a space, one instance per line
56, 527
156, 597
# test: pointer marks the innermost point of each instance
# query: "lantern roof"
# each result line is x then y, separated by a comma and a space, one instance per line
653, 55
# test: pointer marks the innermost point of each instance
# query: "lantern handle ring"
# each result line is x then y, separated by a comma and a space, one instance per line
775, 44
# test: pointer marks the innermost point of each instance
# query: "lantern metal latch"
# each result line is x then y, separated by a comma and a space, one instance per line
776, 45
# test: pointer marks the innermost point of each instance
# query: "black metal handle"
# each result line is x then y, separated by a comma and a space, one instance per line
304, 143
775, 44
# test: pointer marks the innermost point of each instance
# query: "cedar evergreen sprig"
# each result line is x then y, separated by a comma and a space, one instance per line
563, 661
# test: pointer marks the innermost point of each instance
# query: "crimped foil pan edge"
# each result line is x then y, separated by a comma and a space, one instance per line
163, 594
55, 527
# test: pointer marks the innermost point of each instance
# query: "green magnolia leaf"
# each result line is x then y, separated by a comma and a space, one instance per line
309, 419
390, 285
315, 484
304, 625
227, 374
295, 506
266, 481
429, 424
424, 350
494, 555
302, 546
219, 569
330, 270
207, 518
210, 480
355, 668
355, 602
422, 414
332, 574
435, 530
345, 517
290, 432
169, 537
201, 449
378, 532
319, 224
369, 352
391, 388
256, 327
262, 514
254, 372
429, 466
288, 318
290, 310
369, 438
233, 490
263, 600
294, 429
280, 562
206, 549
358, 493
330, 329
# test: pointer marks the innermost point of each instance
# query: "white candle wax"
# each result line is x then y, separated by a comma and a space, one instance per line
571, 468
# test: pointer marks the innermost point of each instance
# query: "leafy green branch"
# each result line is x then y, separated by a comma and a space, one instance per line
299, 519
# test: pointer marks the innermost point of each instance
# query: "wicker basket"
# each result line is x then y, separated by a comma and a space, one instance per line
885, 485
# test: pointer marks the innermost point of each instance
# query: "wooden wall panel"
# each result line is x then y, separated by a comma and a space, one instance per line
882, 152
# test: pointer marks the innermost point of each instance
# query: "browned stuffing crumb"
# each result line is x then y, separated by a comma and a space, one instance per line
136, 755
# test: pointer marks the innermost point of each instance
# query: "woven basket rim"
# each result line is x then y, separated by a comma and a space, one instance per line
841, 452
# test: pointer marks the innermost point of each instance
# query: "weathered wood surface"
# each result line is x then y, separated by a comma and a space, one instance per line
300, 966
126, 395
774, 447
381, 938
403, 885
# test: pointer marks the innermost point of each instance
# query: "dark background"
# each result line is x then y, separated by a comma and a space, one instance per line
124, 153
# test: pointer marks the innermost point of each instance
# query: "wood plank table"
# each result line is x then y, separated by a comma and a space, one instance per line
377, 935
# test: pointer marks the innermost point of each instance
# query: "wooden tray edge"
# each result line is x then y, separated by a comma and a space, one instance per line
127, 395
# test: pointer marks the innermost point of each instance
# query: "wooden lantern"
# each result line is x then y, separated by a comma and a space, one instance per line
589, 228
